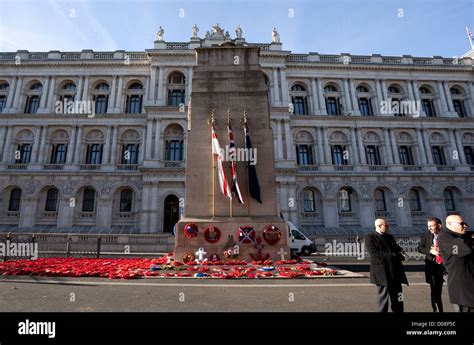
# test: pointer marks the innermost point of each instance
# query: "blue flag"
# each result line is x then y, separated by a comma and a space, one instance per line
254, 187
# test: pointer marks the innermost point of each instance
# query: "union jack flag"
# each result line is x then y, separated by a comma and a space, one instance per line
216, 151
232, 153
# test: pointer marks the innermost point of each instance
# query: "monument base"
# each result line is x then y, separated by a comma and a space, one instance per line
242, 238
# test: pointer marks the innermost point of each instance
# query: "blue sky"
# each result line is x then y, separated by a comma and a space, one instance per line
387, 27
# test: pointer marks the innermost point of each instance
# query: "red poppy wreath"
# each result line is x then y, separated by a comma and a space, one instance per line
191, 230
212, 234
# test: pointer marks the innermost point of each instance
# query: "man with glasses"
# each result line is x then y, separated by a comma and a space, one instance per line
434, 268
456, 249
386, 269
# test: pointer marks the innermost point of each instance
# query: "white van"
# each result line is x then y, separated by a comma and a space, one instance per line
299, 243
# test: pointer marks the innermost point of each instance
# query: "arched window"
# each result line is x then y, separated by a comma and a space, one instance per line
309, 204
4, 90
457, 96
126, 197
33, 98
101, 98
299, 98
67, 92
379, 197
415, 201
427, 99
176, 89
15, 200
134, 98
51, 200
88, 200
332, 97
174, 143
449, 200
364, 100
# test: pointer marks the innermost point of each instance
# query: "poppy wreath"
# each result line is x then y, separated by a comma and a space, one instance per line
188, 257
191, 230
212, 234
246, 234
271, 234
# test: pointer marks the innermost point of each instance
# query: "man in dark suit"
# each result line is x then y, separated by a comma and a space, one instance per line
456, 249
434, 268
386, 269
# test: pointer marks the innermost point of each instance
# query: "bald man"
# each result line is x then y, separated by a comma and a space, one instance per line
456, 250
386, 269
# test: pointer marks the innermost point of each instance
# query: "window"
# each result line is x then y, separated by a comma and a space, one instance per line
176, 89
94, 154
414, 197
130, 154
126, 196
362, 89
448, 200
25, 154
32, 104
406, 157
51, 200
344, 200
15, 198
3, 102
58, 154
101, 103
175, 97
365, 107
308, 201
134, 100
372, 155
304, 154
459, 107
438, 155
379, 197
332, 106
338, 157
428, 108
301, 105
330, 88
469, 153
396, 103
393, 89
174, 150
88, 200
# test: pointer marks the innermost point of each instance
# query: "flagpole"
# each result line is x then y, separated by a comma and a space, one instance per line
231, 164
213, 171
469, 38
248, 179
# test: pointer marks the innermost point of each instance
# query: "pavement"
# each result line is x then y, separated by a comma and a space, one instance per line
50, 294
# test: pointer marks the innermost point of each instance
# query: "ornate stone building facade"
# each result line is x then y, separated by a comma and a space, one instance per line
356, 137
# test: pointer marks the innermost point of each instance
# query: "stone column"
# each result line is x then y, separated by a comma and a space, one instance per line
331, 213
454, 147
44, 138
113, 91
429, 156
161, 101
380, 98
50, 103
145, 213
79, 88
18, 94
107, 146
320, 147
355, 103
3, 131
6, 149
316, 107
416, 91
151, 92
346, 98
158, 145
471, 93
44, 95
410, 91
361, 146
77, 153
280, 140
11, 95
327, 149
284, 88
393, 140
149, 134
356, 159
119, 103
85, 94
190, 84
462, 156
390, 154
276, 92
421, 146
448, 98
70, 148
442, 97
322, 103
289, 140
153, 225
383, 83
141, 153
113, 159
36, 143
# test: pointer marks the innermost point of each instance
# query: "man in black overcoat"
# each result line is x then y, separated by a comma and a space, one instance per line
434, 268
456, 249
386, 269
